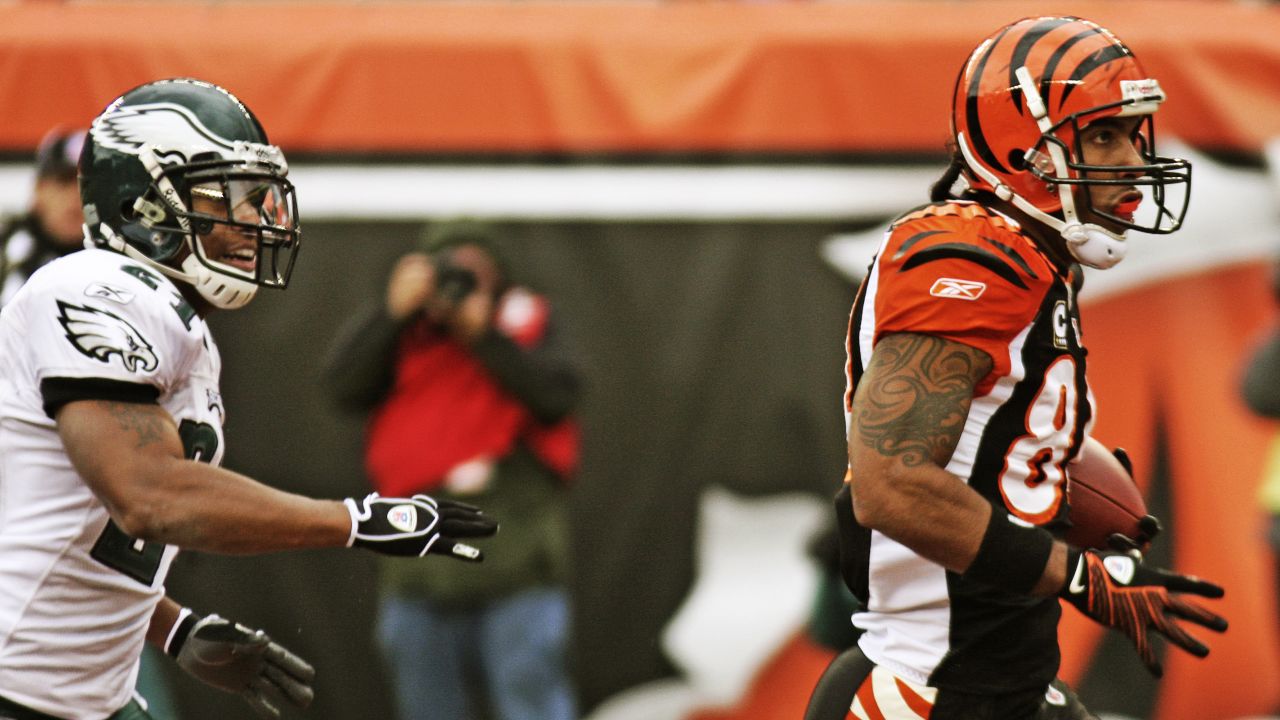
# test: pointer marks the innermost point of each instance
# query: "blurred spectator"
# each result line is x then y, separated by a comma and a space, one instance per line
471, 389
1261, 391
51, 227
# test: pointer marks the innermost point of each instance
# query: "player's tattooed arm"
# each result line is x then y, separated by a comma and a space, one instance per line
112, 444
913, 400
146, 425
908, 414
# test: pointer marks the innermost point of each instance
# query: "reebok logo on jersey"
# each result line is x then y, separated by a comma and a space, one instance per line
403, 517
109, 292
959, 289
99, 334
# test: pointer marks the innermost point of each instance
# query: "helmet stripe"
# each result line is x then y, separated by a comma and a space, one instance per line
1023, 49
1093, 62
977, 136
1052, 66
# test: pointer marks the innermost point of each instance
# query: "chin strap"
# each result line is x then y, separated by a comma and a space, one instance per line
222, 291
1094, 245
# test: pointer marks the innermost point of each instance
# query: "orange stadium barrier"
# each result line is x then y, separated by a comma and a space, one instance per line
369, 77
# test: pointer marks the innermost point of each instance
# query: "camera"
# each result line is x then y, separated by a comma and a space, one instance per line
452, 282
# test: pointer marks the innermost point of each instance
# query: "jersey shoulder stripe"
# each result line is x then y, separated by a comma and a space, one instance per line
966, 232
964, 251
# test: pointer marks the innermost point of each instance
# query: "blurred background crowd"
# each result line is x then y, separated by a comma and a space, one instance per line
696, 189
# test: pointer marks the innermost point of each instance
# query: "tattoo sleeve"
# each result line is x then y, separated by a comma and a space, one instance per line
141, 421
914, 397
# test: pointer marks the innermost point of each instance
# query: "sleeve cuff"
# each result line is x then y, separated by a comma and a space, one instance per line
179, 632
58, 391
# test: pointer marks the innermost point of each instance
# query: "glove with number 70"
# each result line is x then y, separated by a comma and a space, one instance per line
1119, 591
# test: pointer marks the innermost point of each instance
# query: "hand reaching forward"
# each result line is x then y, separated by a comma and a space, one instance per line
417, 525
1119, 591
231, 657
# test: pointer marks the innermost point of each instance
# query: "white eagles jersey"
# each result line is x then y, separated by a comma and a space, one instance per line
76, 593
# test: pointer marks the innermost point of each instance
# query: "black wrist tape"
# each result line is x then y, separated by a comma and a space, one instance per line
1012, 557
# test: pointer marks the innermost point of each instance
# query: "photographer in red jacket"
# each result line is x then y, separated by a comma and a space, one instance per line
470, 389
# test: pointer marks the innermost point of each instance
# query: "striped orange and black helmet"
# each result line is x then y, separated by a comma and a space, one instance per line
1023, 96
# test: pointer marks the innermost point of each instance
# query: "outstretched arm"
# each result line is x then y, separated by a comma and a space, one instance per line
131, 456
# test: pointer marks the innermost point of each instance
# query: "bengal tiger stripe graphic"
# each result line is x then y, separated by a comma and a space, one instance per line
884, 696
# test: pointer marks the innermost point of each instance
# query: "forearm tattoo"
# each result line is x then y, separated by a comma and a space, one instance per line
147, 426
914, 397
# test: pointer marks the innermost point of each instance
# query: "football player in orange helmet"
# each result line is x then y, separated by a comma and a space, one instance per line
1029, 106
967, 395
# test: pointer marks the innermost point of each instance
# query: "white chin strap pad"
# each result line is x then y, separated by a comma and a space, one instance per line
221, 290
1094, 246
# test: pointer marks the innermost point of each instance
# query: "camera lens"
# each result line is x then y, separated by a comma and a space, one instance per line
454, 283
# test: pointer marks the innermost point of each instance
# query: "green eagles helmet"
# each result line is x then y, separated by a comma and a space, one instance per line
174, 160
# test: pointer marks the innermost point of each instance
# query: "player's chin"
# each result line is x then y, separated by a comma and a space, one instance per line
1112, 219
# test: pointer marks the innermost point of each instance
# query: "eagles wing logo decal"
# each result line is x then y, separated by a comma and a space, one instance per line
162, 125
99, 334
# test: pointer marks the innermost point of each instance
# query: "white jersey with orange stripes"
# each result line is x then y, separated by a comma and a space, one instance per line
962, 272
76, 593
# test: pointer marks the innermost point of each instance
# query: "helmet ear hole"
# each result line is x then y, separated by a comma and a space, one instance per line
127, 213
1017, 160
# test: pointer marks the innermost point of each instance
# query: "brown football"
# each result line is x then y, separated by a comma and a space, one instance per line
1103, 499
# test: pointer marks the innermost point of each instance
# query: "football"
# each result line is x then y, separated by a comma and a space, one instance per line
1102, 498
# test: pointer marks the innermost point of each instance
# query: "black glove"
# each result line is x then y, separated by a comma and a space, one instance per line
231, 657
1119, 591
1148, 527
416, 526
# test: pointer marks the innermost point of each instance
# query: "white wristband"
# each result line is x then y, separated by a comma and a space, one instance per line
183, 614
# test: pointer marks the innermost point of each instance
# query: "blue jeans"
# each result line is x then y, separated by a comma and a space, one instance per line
516, 645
